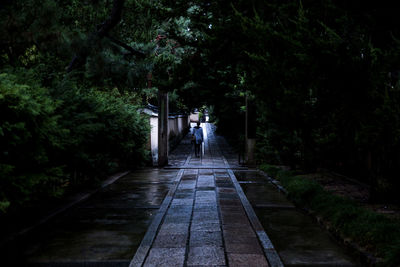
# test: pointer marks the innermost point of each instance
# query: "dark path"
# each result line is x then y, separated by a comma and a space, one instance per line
192, 213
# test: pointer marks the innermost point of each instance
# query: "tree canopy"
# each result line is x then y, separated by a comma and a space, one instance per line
322, 75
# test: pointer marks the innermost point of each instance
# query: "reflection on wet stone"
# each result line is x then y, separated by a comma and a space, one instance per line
165, 257
108, 226
174, 228
170, 240
206, 256
238, 260
205, 238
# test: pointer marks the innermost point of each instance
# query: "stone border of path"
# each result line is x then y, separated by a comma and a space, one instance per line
269, 250
75, 200
204, 167
273, 181
145, 245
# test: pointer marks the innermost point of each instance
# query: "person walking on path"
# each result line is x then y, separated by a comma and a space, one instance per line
198, 139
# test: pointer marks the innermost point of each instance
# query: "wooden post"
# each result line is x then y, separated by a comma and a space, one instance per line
250, 129
162, 128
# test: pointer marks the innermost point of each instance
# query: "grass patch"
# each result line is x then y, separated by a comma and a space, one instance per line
371, 230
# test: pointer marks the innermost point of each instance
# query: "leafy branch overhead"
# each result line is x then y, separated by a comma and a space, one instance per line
94, 37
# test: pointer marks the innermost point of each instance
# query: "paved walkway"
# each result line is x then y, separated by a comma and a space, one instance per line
192, 213
206, 219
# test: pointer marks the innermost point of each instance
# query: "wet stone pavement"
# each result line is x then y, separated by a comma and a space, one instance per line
205, 225
205, 211
104, 230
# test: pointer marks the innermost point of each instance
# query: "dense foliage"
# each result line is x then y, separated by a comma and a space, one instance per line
60, 130
29, 133
50, 143
322, 75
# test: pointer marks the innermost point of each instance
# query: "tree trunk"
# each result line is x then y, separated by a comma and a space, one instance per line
250, 132
162, 128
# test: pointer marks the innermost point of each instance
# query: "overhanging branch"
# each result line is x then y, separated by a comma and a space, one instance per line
102, 30
132, 50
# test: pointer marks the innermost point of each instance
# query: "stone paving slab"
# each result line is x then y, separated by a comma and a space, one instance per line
170, 240
205, 238
174, 228
168, 257
206, 256
239, 260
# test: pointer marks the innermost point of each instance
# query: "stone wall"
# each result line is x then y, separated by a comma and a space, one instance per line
194, 117
178, 126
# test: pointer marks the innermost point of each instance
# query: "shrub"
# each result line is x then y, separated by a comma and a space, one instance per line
29, 134
52, 140
106, 132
